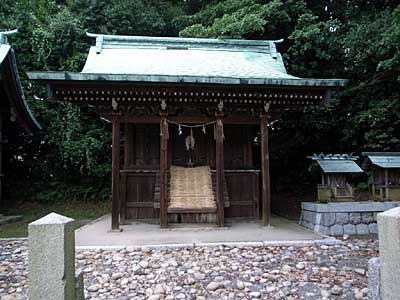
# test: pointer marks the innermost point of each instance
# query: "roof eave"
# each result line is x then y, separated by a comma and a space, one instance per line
80, 77
16, 94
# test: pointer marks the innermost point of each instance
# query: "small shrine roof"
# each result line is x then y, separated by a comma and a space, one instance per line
11, 86
336, 163
385, 160
185, 60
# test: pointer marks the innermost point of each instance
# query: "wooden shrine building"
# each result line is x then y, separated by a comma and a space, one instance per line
190, 110
334, 170
13, 106
385, 174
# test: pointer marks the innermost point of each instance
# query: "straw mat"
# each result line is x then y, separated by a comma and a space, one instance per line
191, 188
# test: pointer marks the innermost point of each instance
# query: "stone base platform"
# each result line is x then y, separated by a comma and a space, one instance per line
352, 218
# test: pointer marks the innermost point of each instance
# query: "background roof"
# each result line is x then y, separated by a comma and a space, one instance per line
388, 160
336, 163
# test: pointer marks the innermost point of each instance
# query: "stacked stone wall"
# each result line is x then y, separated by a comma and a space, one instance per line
352, 218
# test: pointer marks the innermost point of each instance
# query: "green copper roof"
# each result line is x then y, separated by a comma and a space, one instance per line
386, 160
185, 57
337, 163
185, 60
11, 84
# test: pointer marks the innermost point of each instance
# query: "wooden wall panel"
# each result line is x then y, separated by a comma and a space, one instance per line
140, 196
243, 190
143, 161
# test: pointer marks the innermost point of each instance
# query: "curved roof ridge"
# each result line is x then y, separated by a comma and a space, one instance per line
118, 41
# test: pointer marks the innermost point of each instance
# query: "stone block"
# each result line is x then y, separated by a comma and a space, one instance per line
336, 230
355, 218
52, 258
342, 218
321, 229
79, 287
389, 249
306, 216
374, 279
307, 225
349, 229
318, 218
313, 217
373, 228
328, 219
309, 206
362, 229
367, 217
363, 206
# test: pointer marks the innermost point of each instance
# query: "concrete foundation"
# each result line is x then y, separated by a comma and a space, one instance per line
235, 231
352, 218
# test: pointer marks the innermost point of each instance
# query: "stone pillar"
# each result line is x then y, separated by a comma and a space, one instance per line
374, 279
389, 249
52, 258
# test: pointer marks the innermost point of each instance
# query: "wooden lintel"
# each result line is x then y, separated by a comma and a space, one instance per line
140, 204
190, 119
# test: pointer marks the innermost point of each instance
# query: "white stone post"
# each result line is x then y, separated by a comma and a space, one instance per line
52, 258
389, 252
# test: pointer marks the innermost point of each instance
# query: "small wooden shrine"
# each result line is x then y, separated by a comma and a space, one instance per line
190, 110
385, 174
13, 106
334, 170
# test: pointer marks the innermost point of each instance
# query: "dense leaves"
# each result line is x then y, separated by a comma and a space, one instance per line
358, 40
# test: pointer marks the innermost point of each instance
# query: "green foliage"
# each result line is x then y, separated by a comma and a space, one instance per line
241, 19
377, 127
358, 40
128, 17
59, 45
311, 47
81, 211
391, 40
58, 191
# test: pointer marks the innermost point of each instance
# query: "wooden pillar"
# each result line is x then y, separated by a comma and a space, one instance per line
163, 172
373, 186
386, 185
266, 201
127, 163
219, 153
115, 172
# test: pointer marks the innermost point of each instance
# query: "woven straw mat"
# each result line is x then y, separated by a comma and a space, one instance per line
191, 188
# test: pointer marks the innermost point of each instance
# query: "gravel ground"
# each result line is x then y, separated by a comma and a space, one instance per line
312, 272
